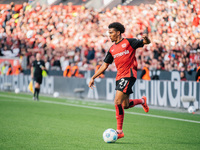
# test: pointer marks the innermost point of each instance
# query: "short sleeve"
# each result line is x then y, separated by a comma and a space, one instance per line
33, 64
109, 58
135, 43
43, 64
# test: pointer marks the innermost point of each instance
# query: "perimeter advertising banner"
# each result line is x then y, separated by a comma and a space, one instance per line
159, 93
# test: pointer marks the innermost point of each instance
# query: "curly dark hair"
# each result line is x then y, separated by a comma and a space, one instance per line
117, 26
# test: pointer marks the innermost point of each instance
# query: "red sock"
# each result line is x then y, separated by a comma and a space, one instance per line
119, 116
133, 102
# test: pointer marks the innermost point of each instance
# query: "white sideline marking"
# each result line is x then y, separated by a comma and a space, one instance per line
106, 109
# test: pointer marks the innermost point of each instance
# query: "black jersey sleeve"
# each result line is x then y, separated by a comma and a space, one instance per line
42, 63
135, 43
109, 58
33, 64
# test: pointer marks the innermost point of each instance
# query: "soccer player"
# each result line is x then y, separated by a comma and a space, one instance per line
36, 74
122, 52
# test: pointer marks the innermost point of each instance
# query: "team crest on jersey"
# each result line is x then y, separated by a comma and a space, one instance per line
124, 45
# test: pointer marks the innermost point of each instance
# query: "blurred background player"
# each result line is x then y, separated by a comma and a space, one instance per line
9, 72
67, 72
18, 69
145, 72
75, 70
36, 74
122, 52
198, 74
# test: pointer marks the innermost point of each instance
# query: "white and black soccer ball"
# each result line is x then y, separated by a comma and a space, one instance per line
191, 109
110, 136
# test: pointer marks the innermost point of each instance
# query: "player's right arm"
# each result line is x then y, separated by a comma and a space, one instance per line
103, 67
107, 61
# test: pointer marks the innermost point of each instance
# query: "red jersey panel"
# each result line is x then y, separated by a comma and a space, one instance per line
123, 54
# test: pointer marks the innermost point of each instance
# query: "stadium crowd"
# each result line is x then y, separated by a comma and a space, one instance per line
68, 34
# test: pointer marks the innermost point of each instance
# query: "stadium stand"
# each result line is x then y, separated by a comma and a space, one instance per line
10, 1
74, 2
138, 2
69, 33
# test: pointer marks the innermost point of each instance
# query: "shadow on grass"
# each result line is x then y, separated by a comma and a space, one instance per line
123, 143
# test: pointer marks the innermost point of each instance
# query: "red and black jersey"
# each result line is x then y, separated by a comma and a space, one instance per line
123, 54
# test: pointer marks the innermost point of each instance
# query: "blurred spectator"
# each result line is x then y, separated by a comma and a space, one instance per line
18, 69
47, 63
3, 69
182, 75
56, 64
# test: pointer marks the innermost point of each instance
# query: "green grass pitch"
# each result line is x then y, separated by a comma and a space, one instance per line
61, 124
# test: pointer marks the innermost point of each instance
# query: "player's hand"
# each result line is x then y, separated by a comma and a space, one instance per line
146, 40
42, 67
91, 83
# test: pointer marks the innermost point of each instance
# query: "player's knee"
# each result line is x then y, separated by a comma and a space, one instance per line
117, 101
125, 107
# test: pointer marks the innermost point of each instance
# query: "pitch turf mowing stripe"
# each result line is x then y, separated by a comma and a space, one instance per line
105, 109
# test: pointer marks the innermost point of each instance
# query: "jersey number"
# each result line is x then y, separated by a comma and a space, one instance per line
123, 83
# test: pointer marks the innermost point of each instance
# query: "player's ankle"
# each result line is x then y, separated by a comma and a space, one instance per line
119, 131
143, 101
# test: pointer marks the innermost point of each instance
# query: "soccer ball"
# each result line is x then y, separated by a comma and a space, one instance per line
191, 109
55, 94
17, 90
110, 136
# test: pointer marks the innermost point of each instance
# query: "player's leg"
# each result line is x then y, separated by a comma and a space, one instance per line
129, 103
37, 90
133, 102
39, 83
119, 97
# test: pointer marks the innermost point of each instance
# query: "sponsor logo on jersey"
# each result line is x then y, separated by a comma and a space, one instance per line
121, 54
124, 45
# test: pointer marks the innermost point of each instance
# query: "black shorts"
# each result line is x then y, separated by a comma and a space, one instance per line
38, 79
125, 85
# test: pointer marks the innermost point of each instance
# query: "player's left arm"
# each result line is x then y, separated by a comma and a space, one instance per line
136, 43
103, 67
146, 40
43, 66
